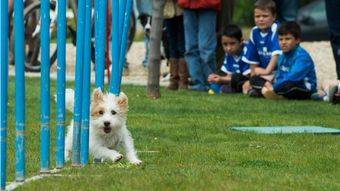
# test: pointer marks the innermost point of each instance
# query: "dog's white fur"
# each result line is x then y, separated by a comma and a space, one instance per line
104, 139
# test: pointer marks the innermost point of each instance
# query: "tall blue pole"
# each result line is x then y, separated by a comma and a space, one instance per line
114, 88
19, 53
3, 90
117, 77
122, 7
100, 8
123, 46
45, 87
61, 83
78, 84
84, 142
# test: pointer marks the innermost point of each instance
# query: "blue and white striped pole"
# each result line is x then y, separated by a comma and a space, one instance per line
3, 90
100, 8
125, 34
122, 8
78, 84
45, 87
19, 52
114, 88
84, 142
117, 76
61, 83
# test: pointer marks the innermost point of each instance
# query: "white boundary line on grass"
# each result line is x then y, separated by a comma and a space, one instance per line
53, 173
14, 185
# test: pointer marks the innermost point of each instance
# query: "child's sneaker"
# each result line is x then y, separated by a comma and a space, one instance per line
318, 97
214, 88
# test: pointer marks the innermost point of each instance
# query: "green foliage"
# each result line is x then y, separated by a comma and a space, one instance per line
243, 12
185, 143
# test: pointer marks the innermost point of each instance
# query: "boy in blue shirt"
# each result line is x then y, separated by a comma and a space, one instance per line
263, 48
236, 71
295, 77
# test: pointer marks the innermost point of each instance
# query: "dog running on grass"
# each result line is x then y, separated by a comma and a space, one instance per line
108, 128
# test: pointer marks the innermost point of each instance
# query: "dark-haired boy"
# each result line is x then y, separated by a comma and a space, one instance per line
263, 48
295, 77
237, 72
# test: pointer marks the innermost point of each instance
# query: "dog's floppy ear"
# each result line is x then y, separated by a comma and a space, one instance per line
123, 102
97, 95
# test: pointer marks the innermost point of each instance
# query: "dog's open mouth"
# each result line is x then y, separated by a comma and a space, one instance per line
107, 129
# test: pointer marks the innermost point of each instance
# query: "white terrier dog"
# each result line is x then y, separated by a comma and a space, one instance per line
107, 127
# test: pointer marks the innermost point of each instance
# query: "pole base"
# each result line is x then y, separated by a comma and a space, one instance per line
45, 171
20, 179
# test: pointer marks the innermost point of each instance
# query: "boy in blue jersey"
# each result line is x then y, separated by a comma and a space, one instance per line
295, 77
236, 71
263, 48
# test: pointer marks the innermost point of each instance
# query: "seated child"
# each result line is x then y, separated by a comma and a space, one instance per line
237, 72
295, 77
263, 48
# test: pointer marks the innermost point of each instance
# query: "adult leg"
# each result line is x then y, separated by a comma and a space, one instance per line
207, 41
191, 46
333, 17
182, 65
170, 26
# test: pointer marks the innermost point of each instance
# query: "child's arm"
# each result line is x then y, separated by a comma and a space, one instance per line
270, 68
214, 78
253, 69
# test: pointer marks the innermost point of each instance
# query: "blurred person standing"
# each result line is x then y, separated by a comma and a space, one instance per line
333, 17
144, 8
200, 39
174, 30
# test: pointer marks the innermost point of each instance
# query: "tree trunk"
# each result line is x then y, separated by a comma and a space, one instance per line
153, 90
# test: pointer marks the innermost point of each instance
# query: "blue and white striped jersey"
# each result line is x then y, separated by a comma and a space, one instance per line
262, 46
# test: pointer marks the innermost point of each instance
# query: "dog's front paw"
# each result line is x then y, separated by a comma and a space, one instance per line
136, 162
117, 158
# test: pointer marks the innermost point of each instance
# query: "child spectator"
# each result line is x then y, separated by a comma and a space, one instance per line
263, 48
237, 72
295, 77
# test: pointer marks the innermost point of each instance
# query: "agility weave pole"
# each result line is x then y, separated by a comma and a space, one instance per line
3, 90
80, 149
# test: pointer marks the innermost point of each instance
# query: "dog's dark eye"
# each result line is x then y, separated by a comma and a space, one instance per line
113, 112
101, 112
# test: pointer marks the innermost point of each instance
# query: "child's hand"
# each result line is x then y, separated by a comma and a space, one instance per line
213, 78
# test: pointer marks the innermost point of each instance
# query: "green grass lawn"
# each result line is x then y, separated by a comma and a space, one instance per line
195, 148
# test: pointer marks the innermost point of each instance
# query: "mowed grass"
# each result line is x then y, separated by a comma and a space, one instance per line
185, 143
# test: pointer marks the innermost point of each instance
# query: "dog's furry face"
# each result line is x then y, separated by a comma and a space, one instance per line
108, 112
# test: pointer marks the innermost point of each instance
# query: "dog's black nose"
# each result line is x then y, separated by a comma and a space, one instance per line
107, 123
